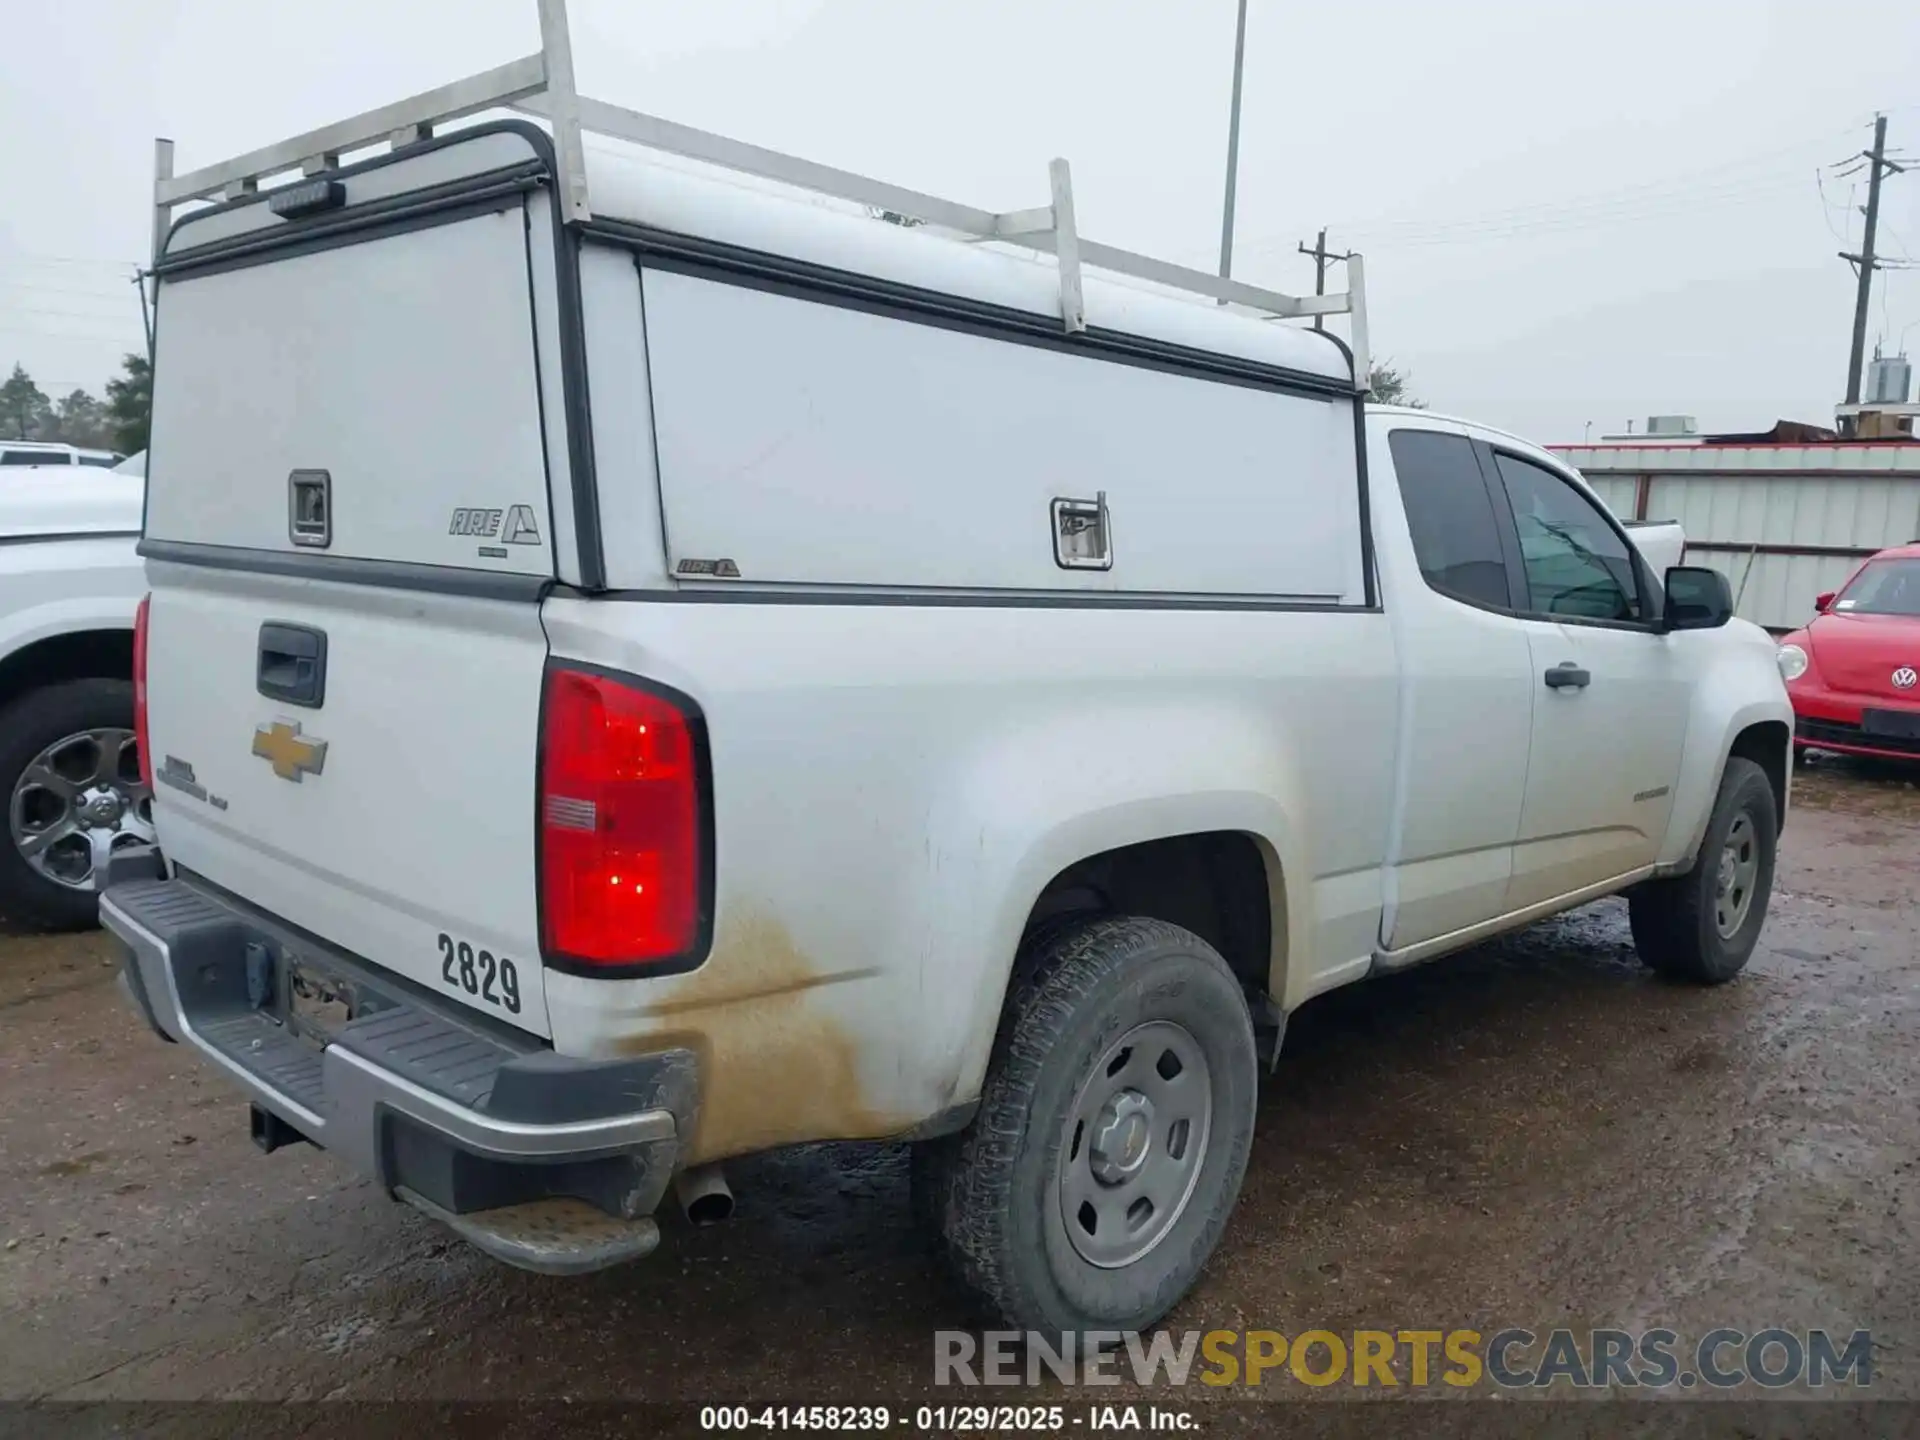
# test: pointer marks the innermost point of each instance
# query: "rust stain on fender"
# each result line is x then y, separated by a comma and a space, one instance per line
776, 1068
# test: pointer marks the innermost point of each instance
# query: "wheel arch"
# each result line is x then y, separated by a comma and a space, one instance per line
1103, 861
1769, 744
78, 653
1761, 731
1226, 886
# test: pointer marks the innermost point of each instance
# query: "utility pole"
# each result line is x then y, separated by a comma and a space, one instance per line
1320, 261
146, 315
1233, 145
1865, 262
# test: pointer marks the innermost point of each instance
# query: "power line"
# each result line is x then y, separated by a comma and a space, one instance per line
1570, 210
1729, 182
1685, 183
61, 312
1486, 231
34, 291
1906, 251
79, 327
39, 257
100, 343
1560, 217
1827, 209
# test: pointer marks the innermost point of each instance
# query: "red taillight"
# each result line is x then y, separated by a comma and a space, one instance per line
623, 852
140, 691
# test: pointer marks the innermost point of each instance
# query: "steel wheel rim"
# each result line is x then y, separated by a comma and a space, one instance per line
1133, 1144
1737, 876
78, 801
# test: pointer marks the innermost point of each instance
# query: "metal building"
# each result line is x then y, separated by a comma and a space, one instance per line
1782, 521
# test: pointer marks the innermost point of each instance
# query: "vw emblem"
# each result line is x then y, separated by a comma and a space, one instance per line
1905, 678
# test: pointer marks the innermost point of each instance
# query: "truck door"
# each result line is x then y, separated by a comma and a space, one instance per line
1611, 694
1467, 691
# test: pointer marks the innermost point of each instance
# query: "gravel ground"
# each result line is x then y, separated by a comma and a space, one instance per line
1537, 1133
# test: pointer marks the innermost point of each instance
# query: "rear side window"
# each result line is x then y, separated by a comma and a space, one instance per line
1576, 563
1451, 516
33, 457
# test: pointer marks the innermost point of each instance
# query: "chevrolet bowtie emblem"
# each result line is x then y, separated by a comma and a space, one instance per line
292, 756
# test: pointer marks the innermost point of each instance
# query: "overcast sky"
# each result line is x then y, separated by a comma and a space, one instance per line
1572, 210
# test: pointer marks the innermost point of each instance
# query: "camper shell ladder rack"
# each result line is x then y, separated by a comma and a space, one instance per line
542, 85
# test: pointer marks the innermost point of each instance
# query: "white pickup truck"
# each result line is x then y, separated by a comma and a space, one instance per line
642, 669
69, 584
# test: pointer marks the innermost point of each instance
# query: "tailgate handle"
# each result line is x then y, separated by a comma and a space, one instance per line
293, 664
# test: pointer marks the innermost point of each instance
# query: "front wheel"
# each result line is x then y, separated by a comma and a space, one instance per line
1112, 1133
1702, 926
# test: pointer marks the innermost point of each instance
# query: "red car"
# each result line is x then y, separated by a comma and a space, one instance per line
1853, 674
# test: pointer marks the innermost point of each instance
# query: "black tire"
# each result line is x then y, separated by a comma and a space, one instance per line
993, 1192
1675, 926
928, 1165
27, 727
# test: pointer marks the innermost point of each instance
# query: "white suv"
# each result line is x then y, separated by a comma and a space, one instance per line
35, 452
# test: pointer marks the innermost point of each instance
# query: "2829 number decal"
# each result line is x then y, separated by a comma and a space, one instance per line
480, 972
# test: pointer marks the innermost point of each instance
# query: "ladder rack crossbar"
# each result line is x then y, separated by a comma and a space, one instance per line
488, 90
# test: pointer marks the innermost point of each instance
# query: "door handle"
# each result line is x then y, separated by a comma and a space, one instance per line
1568, 676
292, 665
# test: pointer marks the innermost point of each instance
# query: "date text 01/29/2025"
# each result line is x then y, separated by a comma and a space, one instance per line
495, 979
945, 1419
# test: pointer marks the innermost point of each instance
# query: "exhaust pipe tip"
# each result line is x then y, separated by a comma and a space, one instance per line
704, 1195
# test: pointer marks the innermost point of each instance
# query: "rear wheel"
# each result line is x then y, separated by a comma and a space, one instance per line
1702, 926
71, 772
1112, 1134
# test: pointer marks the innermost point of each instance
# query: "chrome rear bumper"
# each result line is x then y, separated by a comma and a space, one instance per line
487, 1130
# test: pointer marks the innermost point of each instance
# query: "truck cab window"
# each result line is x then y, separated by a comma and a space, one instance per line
1450, 516
1576, 563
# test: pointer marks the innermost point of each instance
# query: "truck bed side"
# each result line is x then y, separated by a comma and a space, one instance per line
894, 785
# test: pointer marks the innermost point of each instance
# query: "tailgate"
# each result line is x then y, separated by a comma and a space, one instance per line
348, 534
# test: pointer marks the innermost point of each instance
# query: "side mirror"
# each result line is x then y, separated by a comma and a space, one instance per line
1697, 598
1823, 601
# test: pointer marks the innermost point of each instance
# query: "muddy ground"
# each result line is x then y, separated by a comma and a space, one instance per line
1537, 1133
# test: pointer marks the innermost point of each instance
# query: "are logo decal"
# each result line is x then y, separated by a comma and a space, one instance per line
1905, 678
475, 520
514, 525
521, 529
